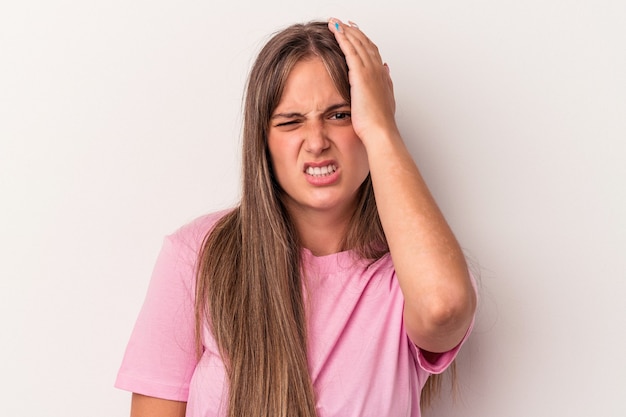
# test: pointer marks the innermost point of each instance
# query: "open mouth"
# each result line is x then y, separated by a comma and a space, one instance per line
321, 171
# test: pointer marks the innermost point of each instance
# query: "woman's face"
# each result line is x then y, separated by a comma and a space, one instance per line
318, 160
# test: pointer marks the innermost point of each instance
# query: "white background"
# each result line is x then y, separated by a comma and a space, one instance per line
120, 121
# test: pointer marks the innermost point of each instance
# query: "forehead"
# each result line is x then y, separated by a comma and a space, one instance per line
308, 83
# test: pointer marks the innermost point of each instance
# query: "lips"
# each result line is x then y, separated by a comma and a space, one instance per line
322, 173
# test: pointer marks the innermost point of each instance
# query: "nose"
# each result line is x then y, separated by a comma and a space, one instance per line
316, 140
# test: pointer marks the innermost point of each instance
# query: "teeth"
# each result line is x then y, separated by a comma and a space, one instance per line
321, 171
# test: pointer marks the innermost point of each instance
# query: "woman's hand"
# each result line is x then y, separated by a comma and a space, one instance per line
371, 89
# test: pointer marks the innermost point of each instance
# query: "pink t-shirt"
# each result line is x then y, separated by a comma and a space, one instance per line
361, 361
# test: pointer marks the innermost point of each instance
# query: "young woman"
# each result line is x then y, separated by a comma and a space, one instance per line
335, 287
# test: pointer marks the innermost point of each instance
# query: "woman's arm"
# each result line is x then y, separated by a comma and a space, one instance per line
144, 406
430, 265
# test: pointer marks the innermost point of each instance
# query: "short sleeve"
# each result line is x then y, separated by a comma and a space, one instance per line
160, 357
437, 363
440, 362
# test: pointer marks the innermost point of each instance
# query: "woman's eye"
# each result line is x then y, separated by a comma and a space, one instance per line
341, 116
291, 122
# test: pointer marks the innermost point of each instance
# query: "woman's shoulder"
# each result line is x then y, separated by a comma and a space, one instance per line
193, 233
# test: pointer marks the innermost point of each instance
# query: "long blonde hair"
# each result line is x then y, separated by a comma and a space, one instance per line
249, 289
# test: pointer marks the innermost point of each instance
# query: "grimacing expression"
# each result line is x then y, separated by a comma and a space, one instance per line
317, 158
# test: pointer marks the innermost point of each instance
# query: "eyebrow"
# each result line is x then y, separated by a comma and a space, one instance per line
296, 114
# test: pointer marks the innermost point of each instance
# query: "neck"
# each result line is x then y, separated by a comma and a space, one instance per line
321, 232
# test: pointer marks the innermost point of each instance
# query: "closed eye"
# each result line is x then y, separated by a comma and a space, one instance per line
290, 122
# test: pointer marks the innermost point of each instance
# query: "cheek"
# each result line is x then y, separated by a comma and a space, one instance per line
359, 154
281, 156
274, 147
280, 144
